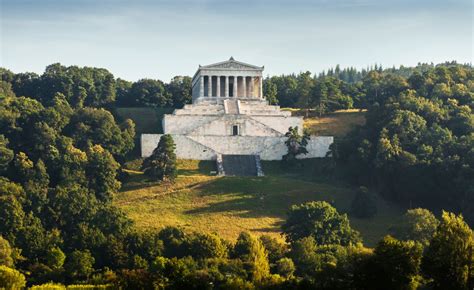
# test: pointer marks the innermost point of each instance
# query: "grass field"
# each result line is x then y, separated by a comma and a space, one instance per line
199, 201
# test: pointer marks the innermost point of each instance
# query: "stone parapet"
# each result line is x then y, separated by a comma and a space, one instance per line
208, 147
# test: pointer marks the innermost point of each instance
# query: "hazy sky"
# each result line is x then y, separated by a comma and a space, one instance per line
160, 39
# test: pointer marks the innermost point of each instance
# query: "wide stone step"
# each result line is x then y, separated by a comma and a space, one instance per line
241, 165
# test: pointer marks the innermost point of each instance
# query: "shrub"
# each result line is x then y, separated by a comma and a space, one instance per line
364, 204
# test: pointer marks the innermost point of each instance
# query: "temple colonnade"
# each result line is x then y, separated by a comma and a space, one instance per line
230, 86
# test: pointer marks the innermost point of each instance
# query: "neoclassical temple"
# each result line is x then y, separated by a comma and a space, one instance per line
228, 79
231, 122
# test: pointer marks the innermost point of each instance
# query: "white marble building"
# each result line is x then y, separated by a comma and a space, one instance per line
230, 116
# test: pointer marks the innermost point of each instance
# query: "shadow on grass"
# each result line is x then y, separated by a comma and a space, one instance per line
204, 167
273, 228
255, 197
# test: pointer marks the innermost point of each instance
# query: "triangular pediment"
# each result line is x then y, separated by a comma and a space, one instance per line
232, 64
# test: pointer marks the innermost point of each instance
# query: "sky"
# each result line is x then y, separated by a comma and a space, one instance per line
163, 38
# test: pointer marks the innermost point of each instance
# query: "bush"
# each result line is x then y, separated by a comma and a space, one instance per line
364, 204
11, 278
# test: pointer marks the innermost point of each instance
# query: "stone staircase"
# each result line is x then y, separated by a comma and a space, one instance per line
231, 107
239, 165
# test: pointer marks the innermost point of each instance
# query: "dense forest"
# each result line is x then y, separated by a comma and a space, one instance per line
62, 150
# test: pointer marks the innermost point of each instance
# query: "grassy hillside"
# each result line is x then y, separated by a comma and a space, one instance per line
335, 124
199, 201
229, 205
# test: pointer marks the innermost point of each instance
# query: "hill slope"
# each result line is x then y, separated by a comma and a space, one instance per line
229, 205
199, 201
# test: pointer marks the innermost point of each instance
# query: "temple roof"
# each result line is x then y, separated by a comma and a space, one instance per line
231, 64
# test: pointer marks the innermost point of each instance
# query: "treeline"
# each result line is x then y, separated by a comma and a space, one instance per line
346, 88
417, 144
97, 87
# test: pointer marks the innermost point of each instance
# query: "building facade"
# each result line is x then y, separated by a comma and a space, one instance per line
230, 116
228, 79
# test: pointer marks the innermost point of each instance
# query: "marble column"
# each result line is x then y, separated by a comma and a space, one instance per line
226, 88
260, 93
201, 86
244, 85
218, 86
234, 94
209, 86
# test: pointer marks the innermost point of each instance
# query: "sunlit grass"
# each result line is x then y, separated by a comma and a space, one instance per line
228, 205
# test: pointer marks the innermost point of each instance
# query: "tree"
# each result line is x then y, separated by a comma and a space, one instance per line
296, 144
6, 154
150, 93
101, 171
285, 267
11, 278
99, 125
275, 248
206, 246
303, 253
80, 264
418, 224
449, 259
6, 252
396, 264
321, 221
11, 211
161, 165
122, 92
364, 204
6, 90
270, 91
55, 258
180, 90
251, 251
175, 242
305, 87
